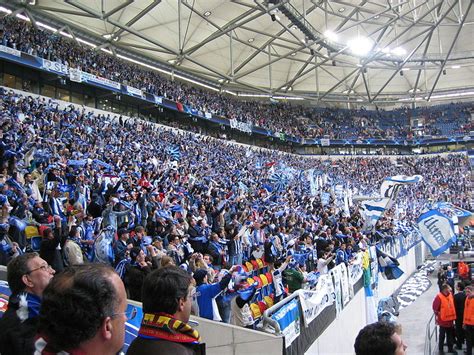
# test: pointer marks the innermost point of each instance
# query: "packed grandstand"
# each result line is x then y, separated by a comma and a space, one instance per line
78, 186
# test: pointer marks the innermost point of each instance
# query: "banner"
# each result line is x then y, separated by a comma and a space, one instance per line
345, 286
355, 269
134, 91
91, 78
336, 274
325, 142
437, 231
315, 301
288, 318
158, 99
11, 51
55, 67
241, 126
75, 75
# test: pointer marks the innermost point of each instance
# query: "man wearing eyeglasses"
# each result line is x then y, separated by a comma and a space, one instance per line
83, 312
28, 275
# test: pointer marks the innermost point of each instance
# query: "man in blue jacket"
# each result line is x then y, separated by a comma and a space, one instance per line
206, 293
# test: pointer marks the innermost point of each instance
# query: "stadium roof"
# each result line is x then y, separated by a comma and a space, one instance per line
367, 51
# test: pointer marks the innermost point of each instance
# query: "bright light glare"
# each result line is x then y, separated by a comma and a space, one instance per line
330, 35
360, 45
40, 24
3, 9
21, 17
399, 51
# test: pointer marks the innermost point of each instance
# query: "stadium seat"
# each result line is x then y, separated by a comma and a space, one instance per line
269, 301
249, 266
31, 231
260, 263
259, 281
255, 309
263, 306
269, 277
254, 265
264, 279
36, 243
250, 281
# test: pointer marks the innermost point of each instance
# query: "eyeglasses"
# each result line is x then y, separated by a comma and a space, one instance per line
129, 314
46, 267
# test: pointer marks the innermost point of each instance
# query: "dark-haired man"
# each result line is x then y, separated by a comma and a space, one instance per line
83, 312
379, 338
167, 300
27, 275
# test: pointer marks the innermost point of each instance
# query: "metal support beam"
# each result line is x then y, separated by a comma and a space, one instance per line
339, 83
121, 26
232, 25
366, 85
415, 88
117, 9
411, 54
136, 18
443, 64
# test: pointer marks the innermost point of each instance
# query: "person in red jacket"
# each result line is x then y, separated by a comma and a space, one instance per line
468, 320
445, 311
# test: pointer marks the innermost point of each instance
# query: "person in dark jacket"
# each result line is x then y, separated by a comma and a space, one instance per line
50, 249
459, 302
136, 273
28, 275
167, 301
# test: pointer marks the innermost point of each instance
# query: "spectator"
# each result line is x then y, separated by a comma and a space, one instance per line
379, 338
83, 311
207, 292
167, 301
445, 312
468, 321
27, 275
136, 273
122, 245
241, 313
294, 277
459, 303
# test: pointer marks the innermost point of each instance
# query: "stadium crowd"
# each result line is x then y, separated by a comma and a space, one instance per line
166, 196
279, 117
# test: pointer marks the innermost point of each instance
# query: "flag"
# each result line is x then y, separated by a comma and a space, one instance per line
391, 185
388, 266
372, 210
279, 181
103, 247
450, 209
174, 153
15, 184
437, 231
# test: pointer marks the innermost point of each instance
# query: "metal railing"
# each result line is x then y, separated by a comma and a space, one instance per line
431, 332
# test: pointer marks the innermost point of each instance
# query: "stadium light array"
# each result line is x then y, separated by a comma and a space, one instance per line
360, 46
331, 36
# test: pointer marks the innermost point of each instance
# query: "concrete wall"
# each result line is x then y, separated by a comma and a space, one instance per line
340, 335
408, 265
225, 339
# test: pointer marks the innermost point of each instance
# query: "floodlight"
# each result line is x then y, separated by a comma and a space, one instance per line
360, 45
